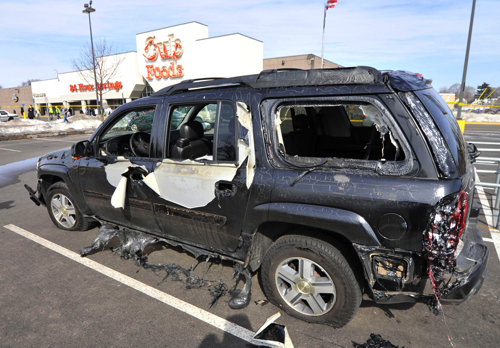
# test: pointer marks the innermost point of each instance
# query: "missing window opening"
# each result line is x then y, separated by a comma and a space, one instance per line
340, 131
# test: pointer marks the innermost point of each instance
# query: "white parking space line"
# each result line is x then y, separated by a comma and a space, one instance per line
495, 234
3, 148
174, 302
48, 139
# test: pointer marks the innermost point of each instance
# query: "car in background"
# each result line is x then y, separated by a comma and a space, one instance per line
6, 116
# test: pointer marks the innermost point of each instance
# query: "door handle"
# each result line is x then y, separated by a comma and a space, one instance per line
225, 187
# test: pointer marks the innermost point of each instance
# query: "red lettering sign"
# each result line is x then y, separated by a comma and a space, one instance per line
89, 88
171, 49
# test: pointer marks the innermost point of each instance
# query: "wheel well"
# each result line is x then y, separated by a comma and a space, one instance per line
268, 232
47, 181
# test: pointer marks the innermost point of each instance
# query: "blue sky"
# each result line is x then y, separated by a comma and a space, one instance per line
423, 36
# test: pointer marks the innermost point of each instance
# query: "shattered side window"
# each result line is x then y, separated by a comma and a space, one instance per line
337, 130
129, 135
131, 122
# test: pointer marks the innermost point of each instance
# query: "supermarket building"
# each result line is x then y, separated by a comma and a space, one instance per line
164, 57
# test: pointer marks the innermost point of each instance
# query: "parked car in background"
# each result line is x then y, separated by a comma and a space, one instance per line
6, 116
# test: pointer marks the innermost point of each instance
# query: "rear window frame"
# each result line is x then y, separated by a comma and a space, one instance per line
270, 113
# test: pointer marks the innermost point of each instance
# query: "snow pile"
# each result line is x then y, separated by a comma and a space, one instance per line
470, 117
27, 126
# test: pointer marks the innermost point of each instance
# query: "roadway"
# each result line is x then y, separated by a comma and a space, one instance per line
49, 298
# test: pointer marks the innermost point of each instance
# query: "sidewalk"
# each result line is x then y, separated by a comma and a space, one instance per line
26, 128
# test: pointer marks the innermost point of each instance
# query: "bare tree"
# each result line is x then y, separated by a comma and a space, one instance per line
455, 89
107, 63
28, 82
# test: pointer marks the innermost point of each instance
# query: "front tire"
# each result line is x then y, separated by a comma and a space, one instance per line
63, 212
310, 279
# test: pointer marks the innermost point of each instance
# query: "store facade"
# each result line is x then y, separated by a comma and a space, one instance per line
164, 57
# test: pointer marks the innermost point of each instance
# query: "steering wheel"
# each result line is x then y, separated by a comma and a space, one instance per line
139, 144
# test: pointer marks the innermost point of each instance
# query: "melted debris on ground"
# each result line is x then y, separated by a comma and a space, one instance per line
132, 246
375, 341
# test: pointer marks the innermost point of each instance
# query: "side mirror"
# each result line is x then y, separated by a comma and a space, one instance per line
81, 149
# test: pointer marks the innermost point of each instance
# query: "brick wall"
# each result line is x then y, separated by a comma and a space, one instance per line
23, 93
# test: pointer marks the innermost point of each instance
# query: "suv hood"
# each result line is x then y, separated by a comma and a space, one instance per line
59, 157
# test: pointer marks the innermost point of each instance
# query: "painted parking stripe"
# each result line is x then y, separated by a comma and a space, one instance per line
172, 301
3, 148
495, 234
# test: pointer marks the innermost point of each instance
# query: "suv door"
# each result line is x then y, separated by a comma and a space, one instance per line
203, 200
112, 181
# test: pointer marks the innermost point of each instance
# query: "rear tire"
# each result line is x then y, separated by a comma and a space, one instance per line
311, 280
63, 212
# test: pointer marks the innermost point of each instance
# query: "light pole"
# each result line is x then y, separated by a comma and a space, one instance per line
89, 9
57, 73
462, 86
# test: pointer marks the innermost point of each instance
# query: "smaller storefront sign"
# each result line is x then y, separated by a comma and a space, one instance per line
80, 87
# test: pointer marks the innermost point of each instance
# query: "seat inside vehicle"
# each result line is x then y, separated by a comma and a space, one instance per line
191, 144
333, 131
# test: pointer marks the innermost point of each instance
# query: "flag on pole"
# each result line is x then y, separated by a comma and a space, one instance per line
331, 4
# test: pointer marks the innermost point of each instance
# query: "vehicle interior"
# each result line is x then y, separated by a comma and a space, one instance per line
192, 131
129, 135
341, 131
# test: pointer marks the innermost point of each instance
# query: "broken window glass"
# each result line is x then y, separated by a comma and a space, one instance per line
129, 135
336, 130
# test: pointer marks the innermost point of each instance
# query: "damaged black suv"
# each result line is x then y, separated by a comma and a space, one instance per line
332, 183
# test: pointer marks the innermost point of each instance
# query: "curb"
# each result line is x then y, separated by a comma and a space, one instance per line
487, 123
41, 135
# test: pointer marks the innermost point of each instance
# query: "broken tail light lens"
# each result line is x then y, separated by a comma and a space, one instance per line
442, 236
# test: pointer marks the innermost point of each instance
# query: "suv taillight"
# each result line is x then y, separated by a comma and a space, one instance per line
442, 235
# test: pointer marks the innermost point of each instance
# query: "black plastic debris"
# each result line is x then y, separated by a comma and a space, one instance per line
241, 299
375, 341
274, 332
132, 246
219, 290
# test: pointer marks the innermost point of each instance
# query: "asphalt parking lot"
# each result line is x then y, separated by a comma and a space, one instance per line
50, 299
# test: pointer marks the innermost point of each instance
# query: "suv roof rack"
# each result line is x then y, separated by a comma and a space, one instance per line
274, 78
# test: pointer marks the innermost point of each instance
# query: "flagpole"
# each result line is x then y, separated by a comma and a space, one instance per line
323, 43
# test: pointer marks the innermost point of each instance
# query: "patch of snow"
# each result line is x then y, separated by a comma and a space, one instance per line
27, 126
473, 117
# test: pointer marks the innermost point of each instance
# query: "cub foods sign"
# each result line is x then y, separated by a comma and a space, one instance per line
170, 51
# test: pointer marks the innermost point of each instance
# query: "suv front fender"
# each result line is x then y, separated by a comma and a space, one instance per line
52, 173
